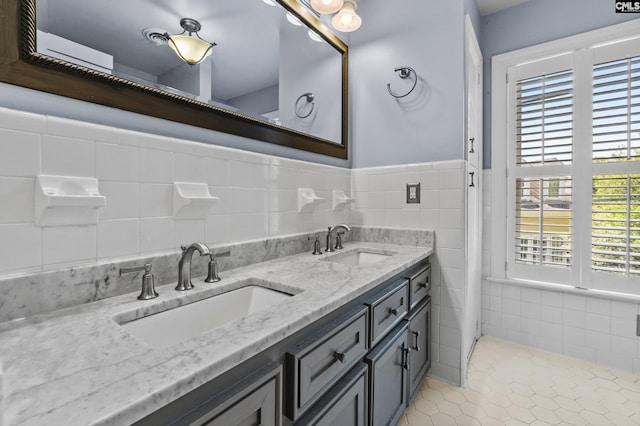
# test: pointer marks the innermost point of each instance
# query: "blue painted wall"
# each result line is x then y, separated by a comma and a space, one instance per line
427, 125
535, 22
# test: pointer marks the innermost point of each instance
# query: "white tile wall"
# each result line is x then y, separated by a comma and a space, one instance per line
380, 201
258, 198
136, 171
582, 326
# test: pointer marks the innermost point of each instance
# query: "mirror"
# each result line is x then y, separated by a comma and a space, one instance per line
266, 78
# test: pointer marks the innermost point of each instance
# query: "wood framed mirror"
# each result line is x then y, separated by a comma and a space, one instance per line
24, 62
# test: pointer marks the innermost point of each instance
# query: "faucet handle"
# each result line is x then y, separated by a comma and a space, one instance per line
339, 235
148, 288
316, 245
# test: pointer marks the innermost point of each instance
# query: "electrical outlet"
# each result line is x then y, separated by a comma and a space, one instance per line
413, 193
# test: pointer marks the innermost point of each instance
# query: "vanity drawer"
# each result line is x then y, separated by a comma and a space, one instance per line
320, 360
387, 309
419, 286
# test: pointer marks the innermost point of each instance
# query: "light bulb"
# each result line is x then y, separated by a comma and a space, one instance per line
347, 20
327, 6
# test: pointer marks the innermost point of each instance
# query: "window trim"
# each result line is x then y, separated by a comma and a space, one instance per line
500, 128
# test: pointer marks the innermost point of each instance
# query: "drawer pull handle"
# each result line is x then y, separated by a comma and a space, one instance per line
417, 345
395, 311
405, 357
424, 284
340, 357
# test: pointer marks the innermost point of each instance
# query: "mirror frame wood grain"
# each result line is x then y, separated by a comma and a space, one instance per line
22, 65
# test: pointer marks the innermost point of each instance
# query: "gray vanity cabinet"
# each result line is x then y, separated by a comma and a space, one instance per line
387, 309
252, 400
388, 364
419, 351
419, 286
322, 358
346, 404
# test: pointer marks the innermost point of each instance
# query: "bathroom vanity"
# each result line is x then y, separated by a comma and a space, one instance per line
350, 345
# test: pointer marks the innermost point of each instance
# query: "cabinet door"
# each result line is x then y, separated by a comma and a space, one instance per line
345, 404
316, 363
255, 399
419, 286
388, 364
388, 308
419, 346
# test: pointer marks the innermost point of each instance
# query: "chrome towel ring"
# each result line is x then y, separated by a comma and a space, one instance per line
310, 99
403, 73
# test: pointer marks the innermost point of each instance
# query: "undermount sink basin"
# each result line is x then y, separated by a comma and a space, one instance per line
186, 321
359, 257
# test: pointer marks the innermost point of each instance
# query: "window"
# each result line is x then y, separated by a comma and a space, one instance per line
568, 118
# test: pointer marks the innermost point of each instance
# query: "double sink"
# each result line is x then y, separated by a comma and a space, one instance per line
167, 327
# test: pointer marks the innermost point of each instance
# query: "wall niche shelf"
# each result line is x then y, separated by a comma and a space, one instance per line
67, 200
307, 199
340, 199
192, 200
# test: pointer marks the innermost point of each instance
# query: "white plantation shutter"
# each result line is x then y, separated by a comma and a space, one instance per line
616, 110
542, 185
616, 224
615, 202
545, 119
573, 172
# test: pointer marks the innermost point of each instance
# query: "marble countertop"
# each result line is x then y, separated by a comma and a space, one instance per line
77, 366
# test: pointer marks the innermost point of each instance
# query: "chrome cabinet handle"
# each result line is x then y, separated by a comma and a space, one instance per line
417, 335
472, 174
340, 356
425, 284
471, 151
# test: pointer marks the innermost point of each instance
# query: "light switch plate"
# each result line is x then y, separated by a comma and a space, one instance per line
413, 193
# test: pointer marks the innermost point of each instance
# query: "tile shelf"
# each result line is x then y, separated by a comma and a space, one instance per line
192, 200
308, 200
340, 199
67, 200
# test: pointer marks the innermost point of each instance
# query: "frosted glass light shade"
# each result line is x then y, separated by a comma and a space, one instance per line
293, 19
327, 6
347, 20
190, 49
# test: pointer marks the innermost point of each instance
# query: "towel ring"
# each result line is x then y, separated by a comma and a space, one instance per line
404, 72
309, 97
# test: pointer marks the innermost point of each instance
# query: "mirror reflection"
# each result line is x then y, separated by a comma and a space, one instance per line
261, 61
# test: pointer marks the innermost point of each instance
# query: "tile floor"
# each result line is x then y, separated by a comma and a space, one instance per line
511, 384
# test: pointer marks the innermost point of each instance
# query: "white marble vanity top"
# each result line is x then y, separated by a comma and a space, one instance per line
77, 366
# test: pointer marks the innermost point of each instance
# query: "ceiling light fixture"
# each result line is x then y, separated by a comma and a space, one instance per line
293, 19
314, 36
327, 6
190, 47
347, 20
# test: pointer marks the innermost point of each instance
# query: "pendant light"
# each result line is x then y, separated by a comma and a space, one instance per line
188, 45
327, 6
347, 20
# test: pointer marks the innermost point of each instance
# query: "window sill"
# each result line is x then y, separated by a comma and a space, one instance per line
602, 294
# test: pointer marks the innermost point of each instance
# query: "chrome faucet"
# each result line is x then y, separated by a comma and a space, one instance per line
184, 265
338, 245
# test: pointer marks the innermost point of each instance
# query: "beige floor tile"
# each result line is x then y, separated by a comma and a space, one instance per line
466, 421
545, 415
441, 419
514, 385
473, 410
449, 408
